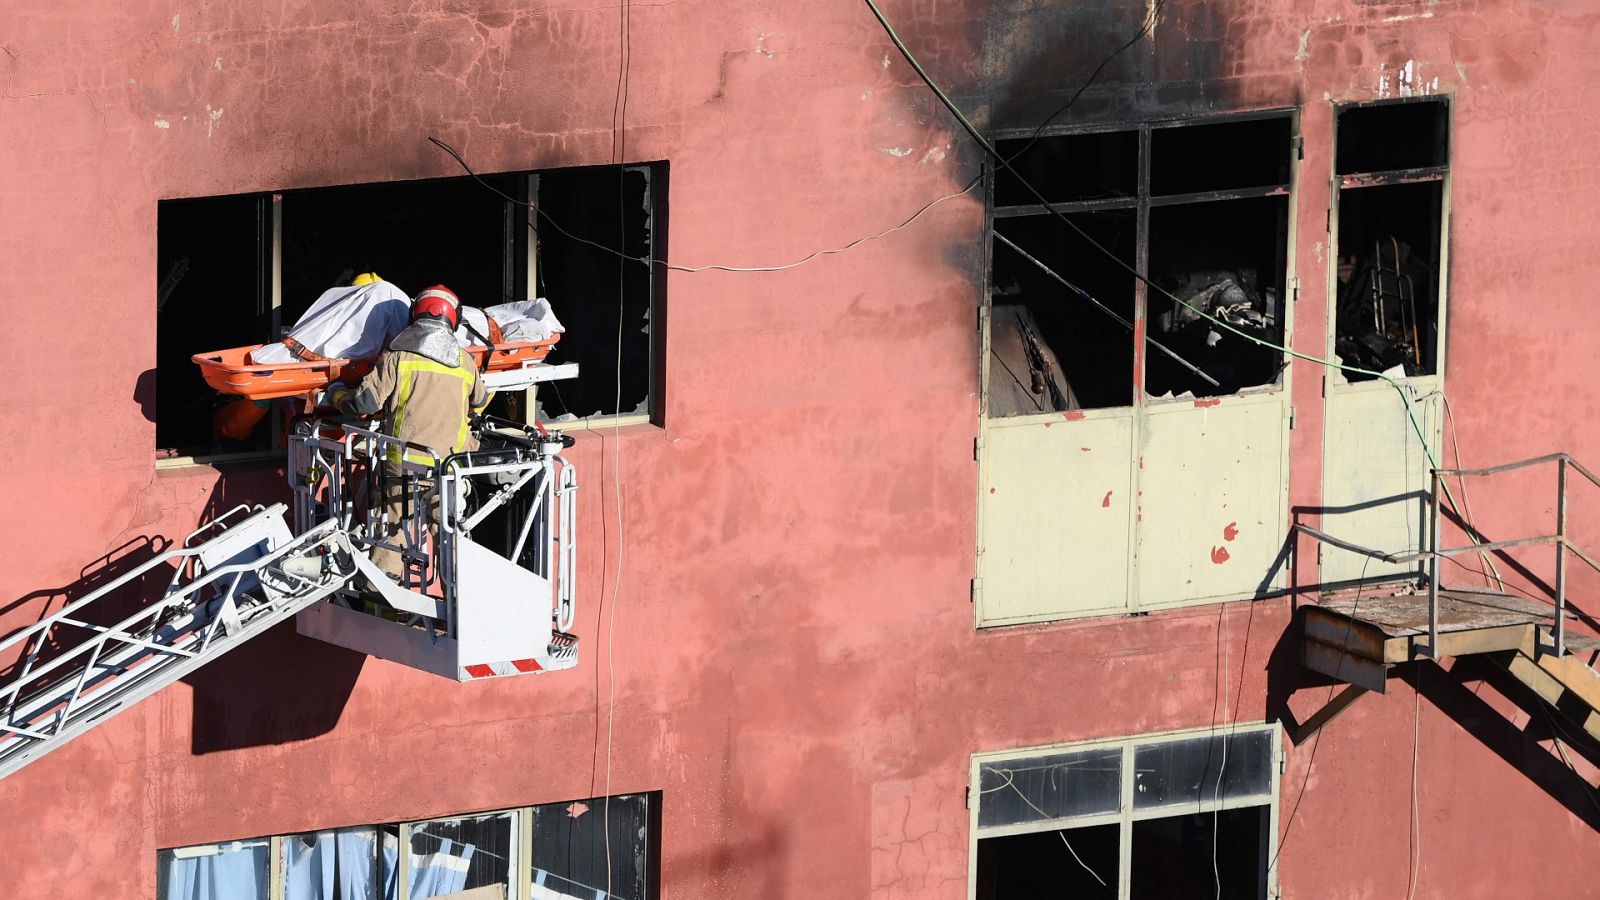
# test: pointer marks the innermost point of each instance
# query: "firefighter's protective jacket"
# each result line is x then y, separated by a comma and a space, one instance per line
426, 387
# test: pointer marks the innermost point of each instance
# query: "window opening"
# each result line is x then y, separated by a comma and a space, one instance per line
1064, 168
240, 870
1392, 161
1052, 822
1173, 856
593, 204
1071, 862
344, 864
481, 856
1054, 786
217, 258
569, 846
1200, 209
1195, 158
1386, 137
1055, 347
412, 233
449, 856
1229, 259
212, 258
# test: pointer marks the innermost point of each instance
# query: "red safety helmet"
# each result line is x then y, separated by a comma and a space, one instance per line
439, 302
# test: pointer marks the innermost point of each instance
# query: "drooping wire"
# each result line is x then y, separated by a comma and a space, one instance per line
654, 261
1144, 29
620, 146
1133, 270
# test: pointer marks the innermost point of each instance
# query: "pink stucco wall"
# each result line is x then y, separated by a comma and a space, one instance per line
787, 555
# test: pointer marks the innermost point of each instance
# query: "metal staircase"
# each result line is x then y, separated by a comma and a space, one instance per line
1357, 634
230, 581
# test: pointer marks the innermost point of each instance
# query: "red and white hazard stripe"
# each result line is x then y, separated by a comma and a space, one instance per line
494, 670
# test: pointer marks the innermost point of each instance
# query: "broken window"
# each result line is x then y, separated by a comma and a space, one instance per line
235, 271
1392, 162
570, 841
587, 848
1196, 810
342, 864
1177, 232
213, 291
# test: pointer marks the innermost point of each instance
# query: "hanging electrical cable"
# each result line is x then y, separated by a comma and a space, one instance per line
1400, 388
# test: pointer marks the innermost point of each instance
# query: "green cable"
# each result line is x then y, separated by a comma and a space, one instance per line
1226, 326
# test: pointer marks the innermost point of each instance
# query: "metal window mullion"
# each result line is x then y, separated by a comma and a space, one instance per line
1141, 260
1272, 813
1222, 196
1066, 207
1441, 290
1125, 827
403, 862
274, 297
1200, 807
275, 870
523, 876
653, 325
529, 186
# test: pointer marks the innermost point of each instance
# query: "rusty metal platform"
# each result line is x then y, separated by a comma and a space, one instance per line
1356, 634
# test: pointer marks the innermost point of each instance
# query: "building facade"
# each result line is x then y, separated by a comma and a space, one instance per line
957, 563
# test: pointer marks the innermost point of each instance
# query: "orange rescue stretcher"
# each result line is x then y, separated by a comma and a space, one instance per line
231, 372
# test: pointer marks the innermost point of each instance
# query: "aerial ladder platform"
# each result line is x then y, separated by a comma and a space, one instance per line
487, 542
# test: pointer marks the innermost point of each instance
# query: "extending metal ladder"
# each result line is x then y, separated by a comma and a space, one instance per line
231, 580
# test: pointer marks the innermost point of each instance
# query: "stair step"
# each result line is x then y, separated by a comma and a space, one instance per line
1575, 675
1553, 690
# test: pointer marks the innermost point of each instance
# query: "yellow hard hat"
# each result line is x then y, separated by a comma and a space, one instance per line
366, 278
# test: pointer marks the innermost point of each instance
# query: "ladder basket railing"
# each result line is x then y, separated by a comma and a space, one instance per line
72, 668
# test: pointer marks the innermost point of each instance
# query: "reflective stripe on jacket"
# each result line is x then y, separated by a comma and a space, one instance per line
423, 401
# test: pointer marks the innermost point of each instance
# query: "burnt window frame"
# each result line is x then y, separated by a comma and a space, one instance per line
520, 254
1143, 203
1341, 182
1128, 814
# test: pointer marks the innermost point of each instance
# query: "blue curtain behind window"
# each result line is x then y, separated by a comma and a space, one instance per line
331, 864
441, 873
236, 872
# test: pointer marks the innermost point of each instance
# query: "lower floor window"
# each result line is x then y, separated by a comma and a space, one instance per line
1170, 816
551, 852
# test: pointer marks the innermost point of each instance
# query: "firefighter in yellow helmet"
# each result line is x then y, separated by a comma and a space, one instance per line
426, 388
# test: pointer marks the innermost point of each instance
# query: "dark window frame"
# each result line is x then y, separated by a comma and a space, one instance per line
1141, 204
1439, 174
993, 773
521, 256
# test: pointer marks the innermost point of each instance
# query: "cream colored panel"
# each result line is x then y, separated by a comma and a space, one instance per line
1054, 511
1213, 498
1375, 476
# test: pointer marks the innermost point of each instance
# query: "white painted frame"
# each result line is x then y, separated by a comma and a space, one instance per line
1126, 815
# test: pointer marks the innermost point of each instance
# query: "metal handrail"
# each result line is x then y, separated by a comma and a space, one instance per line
1559, 539
1434, 552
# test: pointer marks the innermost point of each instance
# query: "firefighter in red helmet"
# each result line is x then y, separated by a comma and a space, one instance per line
426, 387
